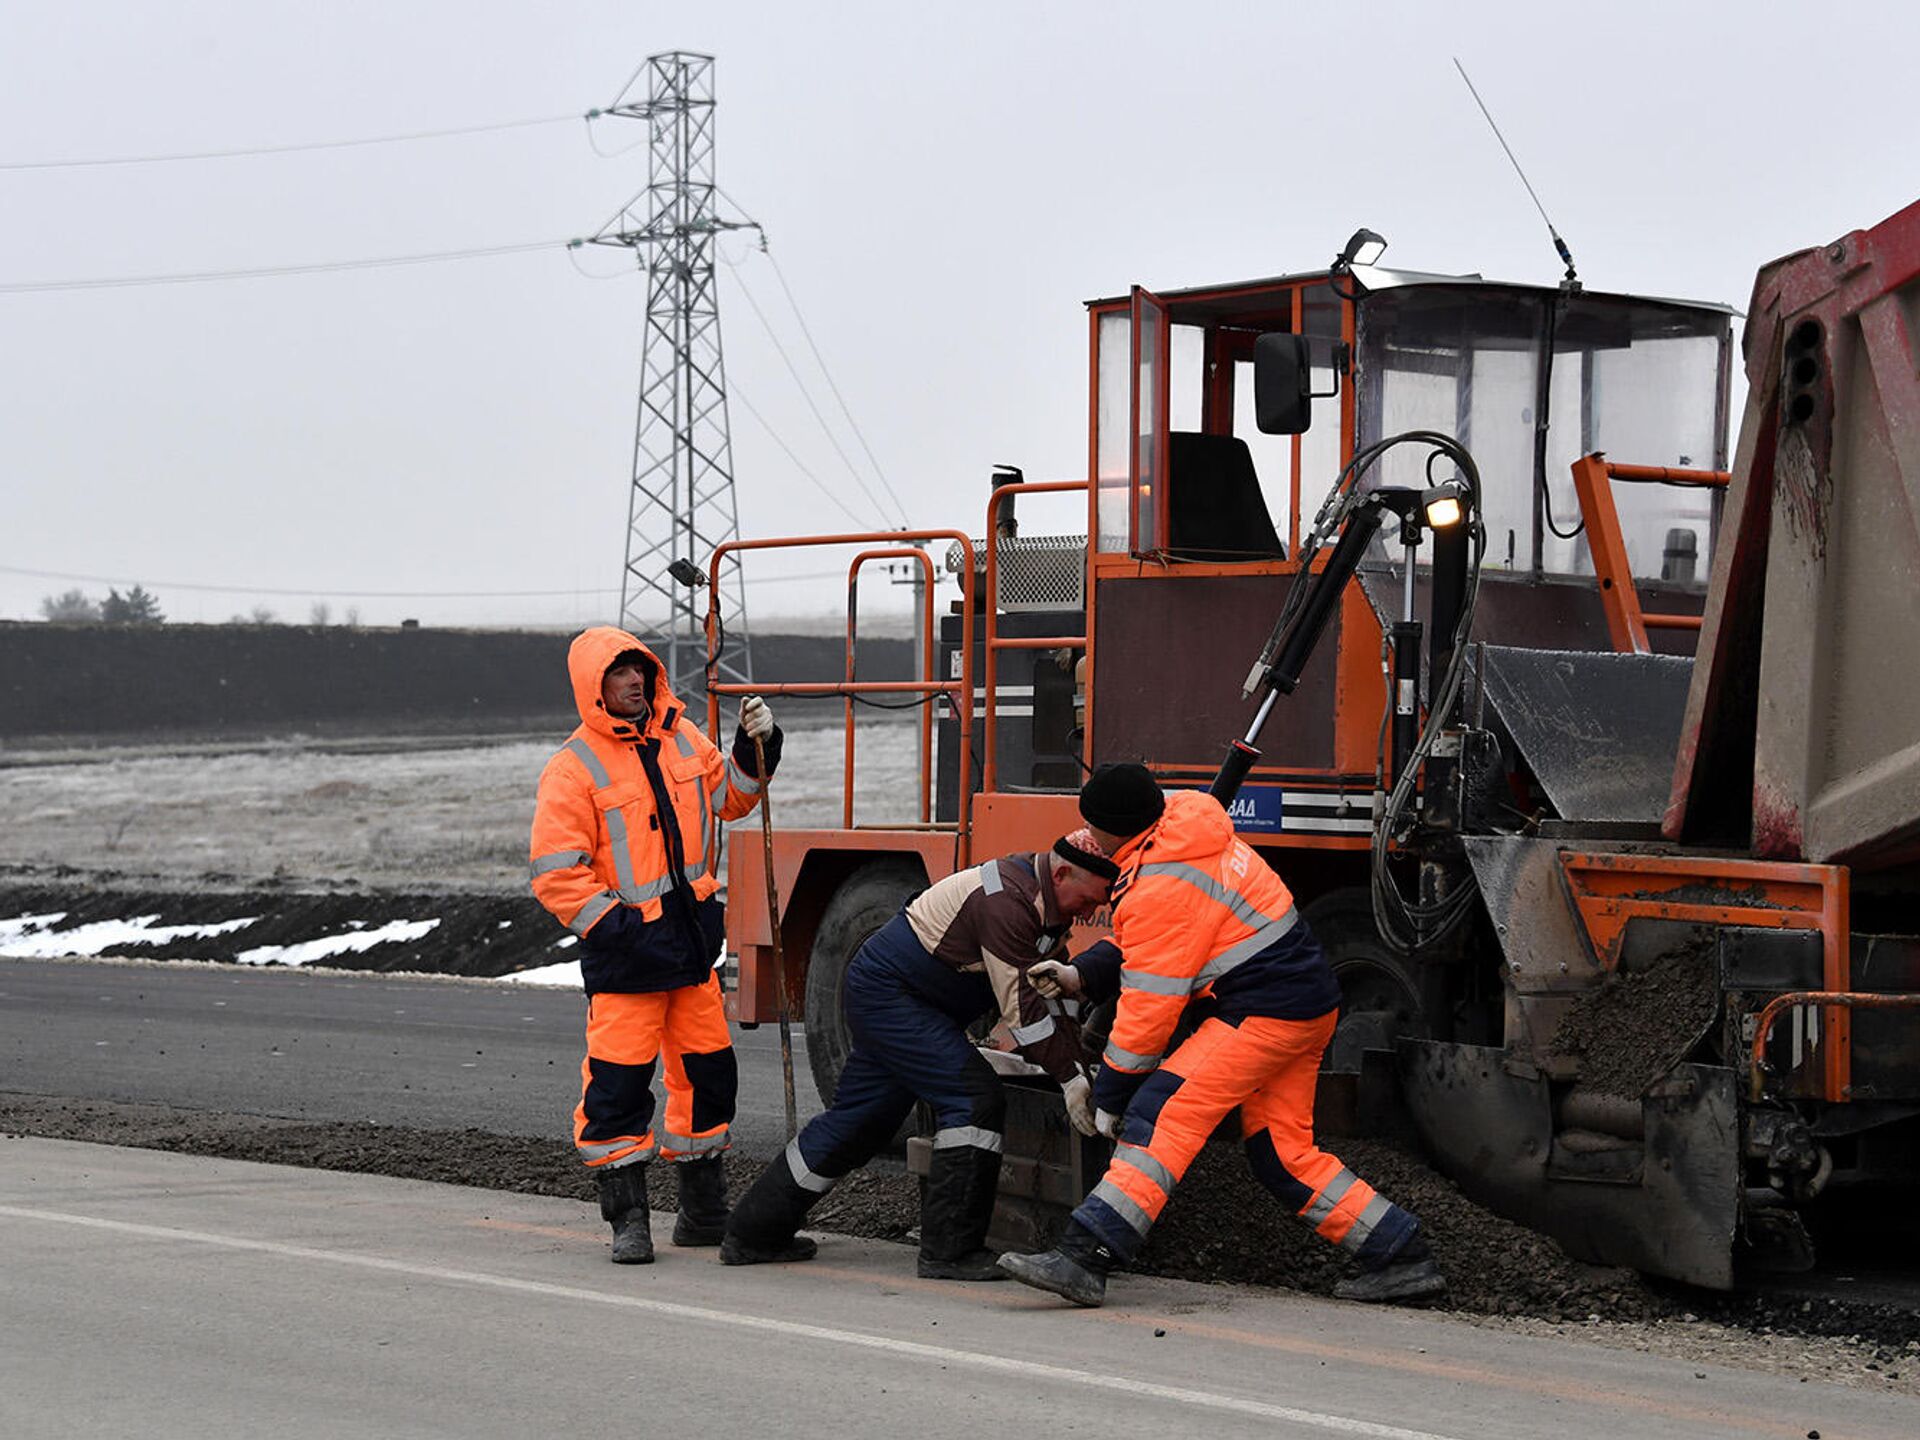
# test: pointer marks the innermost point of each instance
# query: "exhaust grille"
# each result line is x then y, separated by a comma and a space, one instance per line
1033, 572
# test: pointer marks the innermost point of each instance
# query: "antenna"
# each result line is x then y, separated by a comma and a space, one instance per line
1572, 280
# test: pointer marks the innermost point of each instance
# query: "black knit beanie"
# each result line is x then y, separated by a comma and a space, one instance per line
1081, 849
1121, 799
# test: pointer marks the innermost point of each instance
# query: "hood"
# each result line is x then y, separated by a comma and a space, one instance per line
1194, 829
589, 657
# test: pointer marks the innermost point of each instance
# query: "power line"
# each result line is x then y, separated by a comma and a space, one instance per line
290, 149
195, 277
324, 592
821, 360
737, 393
805, 393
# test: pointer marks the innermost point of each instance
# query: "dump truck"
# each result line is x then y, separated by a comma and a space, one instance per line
1587, 750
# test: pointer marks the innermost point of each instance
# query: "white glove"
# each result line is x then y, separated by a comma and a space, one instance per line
755, 718
1054, 979
1106, 1123
1079, 1093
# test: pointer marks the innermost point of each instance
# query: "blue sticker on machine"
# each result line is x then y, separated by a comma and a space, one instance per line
1256, 809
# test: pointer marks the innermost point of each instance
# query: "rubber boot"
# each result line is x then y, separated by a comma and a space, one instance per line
761, 1229
703, 1202
623, 1205
1075, 1269
956, 1208
1406, 1276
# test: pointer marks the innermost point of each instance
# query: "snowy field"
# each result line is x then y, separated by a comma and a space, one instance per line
384, 815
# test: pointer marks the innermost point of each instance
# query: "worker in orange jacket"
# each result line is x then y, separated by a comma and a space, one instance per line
1198, 917
625, 847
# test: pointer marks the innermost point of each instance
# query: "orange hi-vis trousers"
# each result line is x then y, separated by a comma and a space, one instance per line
1267, 1067
685, 1030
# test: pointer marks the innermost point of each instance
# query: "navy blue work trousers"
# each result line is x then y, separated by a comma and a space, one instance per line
908, 1012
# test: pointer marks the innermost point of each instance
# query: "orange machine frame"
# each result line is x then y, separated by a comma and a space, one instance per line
1627, 623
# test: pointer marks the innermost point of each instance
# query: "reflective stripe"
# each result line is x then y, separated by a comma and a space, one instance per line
742, 783
593, 1148
802, 1176
1142, 1160
558, 860
972, 1135
622, 851
1154, 984
1123, 1205
706, 819
1127, 1060
990, 877
1243, 909
1363, 1228
694, 1145
596, 772
654, 889
1246, 949
595, 907
1039, 1030
1324, 1202
684, 745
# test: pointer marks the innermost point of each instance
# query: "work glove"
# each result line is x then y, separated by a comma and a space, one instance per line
1106, 1123
1079, 1092
1054, 979
755, 718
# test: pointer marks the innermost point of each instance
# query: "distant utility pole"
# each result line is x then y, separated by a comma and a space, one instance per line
681, 504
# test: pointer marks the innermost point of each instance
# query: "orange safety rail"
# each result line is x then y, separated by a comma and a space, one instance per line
1847, 1000
989, 605
1619, 596
959, 690
928, 665
1610, 890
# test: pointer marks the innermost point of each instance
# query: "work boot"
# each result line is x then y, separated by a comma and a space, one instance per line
956, 1207
703, 1202
1406, 1276
623, 1205
761, 1229
1075, 1269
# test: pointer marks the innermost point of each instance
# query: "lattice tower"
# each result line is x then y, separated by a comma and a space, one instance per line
681, 504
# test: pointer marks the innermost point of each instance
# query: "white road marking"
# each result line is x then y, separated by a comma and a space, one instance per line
1338, 1424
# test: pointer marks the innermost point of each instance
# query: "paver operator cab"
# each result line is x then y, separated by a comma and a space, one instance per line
1457, 745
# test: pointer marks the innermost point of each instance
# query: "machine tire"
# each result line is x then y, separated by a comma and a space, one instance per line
1384, 995
866, 900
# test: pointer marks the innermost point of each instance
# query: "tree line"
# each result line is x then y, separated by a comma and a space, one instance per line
139, 606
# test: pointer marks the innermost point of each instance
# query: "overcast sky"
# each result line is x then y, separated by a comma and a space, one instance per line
943, 187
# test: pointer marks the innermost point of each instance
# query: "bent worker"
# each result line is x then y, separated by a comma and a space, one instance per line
626, 836
954, 951
1198, 915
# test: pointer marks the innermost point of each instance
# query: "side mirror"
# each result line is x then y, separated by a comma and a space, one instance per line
1282, 397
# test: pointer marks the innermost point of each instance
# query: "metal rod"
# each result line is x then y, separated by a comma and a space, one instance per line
773, 927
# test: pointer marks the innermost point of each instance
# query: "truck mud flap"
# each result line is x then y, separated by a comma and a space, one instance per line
1667, 1205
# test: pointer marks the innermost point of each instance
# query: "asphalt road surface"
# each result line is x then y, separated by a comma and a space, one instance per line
174, 1296
331, 1046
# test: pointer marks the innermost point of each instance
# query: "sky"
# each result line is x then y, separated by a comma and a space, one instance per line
942, 188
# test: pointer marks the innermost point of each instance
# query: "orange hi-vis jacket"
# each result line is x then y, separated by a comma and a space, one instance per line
620, 801
1198, 914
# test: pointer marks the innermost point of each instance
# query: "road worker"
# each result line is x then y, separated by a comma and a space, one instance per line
626, 836
952, 953
1198, 916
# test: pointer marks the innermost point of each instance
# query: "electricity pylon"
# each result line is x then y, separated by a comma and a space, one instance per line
682, 503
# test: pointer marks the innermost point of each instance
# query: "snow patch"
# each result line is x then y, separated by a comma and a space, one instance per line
33, 937
566, 973
356, 939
